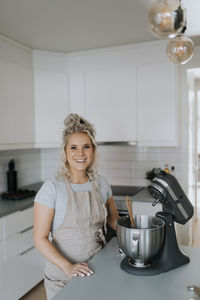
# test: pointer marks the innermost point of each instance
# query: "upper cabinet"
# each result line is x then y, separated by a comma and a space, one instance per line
17, 106
107, 98
128, 93
51, 98
110, 103
156, 104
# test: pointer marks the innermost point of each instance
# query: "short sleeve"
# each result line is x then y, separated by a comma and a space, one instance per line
47, 194
105, 189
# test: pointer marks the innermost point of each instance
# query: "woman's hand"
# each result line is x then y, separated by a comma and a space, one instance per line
78, 269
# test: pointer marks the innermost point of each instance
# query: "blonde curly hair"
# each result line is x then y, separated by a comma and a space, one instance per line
76, 124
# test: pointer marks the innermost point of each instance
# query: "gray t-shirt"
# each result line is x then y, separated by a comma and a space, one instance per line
53, 194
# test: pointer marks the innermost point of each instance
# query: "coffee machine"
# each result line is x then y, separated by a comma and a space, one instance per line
176, 207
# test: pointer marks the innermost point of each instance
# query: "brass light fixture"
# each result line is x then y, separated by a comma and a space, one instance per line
167, 18
180, 49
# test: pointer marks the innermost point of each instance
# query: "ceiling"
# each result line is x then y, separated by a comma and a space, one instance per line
75, 25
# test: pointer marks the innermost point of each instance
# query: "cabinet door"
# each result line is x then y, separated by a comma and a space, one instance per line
157, 111
76, 93
22, 273
18, 221
110, 103
2, 282
5, 102
16, 106
1, 229
51, 107
22, 113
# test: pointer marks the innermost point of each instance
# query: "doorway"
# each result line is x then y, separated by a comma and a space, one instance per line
193, 76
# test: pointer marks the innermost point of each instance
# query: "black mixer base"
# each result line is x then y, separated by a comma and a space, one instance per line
139, 271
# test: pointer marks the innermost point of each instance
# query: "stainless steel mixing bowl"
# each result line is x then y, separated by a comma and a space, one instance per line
142, 243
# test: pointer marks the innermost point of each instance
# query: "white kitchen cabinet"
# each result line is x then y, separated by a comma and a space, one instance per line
2, 288
51, 98
110, 103
22, 273
51, 107
22, 114
77, 93
1, 242
107, 98
5, 102
1, 229
18, 221
157, 104
17, 106
2, 282
22, 264
128, 93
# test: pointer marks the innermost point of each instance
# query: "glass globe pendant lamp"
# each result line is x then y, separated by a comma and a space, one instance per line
180, 49
167, 18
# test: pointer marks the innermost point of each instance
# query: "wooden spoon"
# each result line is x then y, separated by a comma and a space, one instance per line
129, 205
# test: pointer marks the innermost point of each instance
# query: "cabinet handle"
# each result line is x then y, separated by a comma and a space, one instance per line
26, 229
29, 249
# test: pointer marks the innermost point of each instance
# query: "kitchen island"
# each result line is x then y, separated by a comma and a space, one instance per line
110, 282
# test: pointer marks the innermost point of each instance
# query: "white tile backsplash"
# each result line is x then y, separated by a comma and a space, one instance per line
28, 166
50, 161
122, 165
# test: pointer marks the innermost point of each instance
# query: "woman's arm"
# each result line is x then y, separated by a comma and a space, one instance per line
112, 213
43, 217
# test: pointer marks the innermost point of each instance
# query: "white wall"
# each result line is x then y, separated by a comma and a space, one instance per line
28, 166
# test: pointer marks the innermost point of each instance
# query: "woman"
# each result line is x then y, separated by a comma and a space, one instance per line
74, 208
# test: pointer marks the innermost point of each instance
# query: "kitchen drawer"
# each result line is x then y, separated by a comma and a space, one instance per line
18, 221
1, 229
2, 285
1, 252
18, 243
22, 273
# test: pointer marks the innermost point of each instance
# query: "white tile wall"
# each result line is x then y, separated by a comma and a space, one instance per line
50, 160
28, 166
124, 165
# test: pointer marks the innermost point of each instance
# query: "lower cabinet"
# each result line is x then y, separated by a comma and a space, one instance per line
22, 273
21, 264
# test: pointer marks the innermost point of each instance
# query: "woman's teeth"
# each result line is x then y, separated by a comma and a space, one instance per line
80, 160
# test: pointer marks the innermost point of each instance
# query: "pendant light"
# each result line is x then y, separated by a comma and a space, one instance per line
167, 18
180, 49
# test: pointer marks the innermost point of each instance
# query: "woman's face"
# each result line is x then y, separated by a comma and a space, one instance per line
79, 152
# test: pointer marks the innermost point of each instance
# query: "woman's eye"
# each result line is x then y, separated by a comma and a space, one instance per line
73, 148
87, 146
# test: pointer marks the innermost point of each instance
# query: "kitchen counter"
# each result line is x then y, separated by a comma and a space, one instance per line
110, 282
10, 206
141, 203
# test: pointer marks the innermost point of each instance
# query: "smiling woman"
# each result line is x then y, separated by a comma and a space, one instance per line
74, 208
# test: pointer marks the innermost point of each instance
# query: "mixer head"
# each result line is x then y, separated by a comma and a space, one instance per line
166, 189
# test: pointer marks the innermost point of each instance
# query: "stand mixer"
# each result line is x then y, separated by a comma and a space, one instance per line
176, 207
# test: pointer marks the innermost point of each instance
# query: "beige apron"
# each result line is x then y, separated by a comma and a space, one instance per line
76, 238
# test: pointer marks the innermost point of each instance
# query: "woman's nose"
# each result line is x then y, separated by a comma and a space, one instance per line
80, 151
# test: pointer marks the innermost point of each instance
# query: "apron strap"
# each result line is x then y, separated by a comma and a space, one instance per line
96, 185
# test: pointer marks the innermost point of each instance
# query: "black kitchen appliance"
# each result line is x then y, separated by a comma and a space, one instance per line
13, 193
18, 195
11, 177
176, 207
